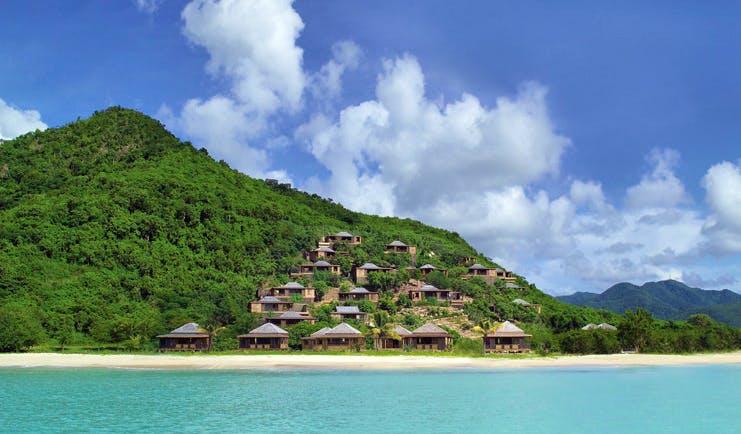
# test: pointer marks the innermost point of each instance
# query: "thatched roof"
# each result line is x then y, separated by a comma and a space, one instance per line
508, 330
430, 330
189, 330
266, 330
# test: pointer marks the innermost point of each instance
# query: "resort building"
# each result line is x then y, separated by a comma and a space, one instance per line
358, 294
507, 339
188, 337
343, 313
440, 295
388, 343
399, 247
524, 303
429, 337
289, 319
603, 326
266, 337
340, 237
270, 304
360, 274
308, 270
428, 268
343, 337
321, 253
490, 275
512, 285
291, 289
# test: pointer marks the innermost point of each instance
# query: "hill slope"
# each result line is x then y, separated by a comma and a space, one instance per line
666, 299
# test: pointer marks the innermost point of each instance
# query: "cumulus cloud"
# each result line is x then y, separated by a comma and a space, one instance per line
327, 83
148, 6
722, 184
15, 121
661, 188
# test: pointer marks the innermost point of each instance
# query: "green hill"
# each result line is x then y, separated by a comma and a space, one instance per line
666, 299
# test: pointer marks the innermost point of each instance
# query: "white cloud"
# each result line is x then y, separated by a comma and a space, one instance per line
327, 83
148, 6
253, 44
14, 121
722, 184
660, 188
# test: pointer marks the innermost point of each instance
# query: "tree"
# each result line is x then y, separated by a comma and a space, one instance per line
381, 328
20, 328
635, 329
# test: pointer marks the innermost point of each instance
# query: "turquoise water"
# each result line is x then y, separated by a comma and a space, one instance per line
601, 400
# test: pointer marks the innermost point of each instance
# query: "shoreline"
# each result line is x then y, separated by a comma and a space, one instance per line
351, 362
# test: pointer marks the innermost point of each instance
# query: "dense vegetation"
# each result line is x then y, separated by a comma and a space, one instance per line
113, 231
668, 299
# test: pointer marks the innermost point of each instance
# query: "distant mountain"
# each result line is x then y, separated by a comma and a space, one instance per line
667, 299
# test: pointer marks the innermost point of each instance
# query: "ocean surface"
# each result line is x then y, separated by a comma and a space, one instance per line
600, 400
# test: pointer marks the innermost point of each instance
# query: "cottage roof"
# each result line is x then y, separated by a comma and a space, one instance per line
322, 264
521, 301
266, 330
477, 267
343, 234
509, 330
430, 329
428, 267
324, 249
401, 331
293, 315
320, 332
343, 329
189, 330
369, 266
359, 290
293, 285
512, 285
270, 299
396, 243
430, 288
347, 309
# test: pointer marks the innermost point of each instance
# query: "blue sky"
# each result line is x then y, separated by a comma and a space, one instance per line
578, 144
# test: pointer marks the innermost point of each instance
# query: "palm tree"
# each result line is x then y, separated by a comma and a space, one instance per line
213, 329
382, 328
485, 326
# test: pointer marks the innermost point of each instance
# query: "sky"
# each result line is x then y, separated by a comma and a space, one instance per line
578, 144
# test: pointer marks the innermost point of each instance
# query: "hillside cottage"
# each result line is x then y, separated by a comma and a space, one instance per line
188, 337
266, 337
291, 289
427, 292
270, 304
308, 270
428, 268
490, 275
341, 237
524, 303
289, 319
399, 247
507, 339
359, 294
360, 274
343, 313
321, 253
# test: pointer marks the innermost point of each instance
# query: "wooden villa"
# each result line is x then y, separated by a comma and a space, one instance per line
343, 337
341, 237
288, 319
507, 339
266, 337
429, 268
270, 304
397, 246
388, 343
308, 270
359, 294
524, 303
429, 337
321, 253
360, 274
490, 275
440, 295
188, 337
343, 313
291, 289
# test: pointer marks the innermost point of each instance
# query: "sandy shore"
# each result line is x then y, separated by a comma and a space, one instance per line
303, 361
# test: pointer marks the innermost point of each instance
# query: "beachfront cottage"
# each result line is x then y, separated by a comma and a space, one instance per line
343, 337
359, 294
603, 326
340, 237
489, 275
429, 268
427, 292
288, 319
388, 343
343, 313
290, 290
397, 246
308, 270
524, 303
360, 274
266, 337
321, 253
270, 304
508, 338
429, 337
188, 337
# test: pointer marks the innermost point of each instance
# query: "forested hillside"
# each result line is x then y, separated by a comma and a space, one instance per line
112, 231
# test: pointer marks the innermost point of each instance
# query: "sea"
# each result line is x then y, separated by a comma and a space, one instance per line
703, 399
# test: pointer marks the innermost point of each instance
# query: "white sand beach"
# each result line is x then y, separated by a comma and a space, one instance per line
305, 361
